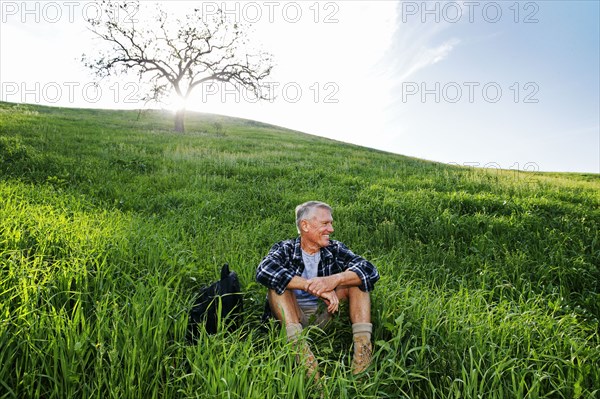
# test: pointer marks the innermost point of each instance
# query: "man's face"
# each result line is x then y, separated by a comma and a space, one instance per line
316, 230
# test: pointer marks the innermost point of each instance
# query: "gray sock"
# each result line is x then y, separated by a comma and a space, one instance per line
293, 331
362, 330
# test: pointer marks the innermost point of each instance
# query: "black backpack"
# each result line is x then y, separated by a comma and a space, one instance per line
225, 293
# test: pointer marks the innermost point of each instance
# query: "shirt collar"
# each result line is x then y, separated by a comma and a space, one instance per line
297, 256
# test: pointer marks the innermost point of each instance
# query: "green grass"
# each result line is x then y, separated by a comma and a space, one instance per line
110, 222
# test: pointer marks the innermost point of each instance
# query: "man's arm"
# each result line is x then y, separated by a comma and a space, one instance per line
330, 297
319, 285
365, 270
298, 283
275, 271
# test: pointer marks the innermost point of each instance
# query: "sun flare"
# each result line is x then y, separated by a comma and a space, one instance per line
176, 103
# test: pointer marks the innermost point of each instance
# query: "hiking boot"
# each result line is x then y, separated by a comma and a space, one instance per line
307, 358
362, 354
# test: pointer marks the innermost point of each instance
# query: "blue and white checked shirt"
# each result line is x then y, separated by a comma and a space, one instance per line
284, 261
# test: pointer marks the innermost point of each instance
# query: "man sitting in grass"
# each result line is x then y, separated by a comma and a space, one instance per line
300, 272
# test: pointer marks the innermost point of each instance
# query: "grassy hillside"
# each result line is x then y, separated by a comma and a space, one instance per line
110, 222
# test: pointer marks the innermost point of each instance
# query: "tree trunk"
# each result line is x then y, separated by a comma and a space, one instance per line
179, 115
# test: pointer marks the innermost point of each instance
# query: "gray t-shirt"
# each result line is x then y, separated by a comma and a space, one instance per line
311, 267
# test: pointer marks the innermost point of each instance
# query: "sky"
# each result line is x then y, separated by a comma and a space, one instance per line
490, 84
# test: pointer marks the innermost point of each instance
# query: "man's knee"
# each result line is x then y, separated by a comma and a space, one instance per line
360, 305
281, 300
283, 306
352, 294
342, 293
358, 292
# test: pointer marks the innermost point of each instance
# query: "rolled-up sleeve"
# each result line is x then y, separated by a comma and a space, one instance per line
363, 268
274, 271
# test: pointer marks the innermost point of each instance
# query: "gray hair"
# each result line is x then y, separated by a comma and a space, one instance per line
305, 211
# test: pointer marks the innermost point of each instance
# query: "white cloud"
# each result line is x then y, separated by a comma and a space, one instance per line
424, 57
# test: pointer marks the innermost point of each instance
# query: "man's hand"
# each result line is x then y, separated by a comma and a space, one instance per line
318, 285
331, 300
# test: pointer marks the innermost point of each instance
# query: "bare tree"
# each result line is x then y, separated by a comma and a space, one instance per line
177, 54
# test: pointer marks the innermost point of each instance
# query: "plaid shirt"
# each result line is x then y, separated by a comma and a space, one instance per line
284, 261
